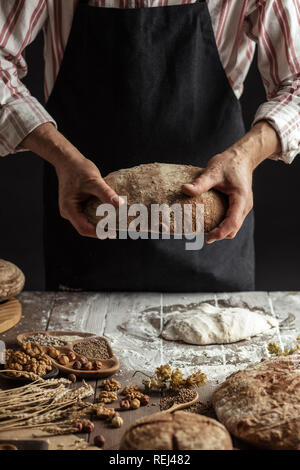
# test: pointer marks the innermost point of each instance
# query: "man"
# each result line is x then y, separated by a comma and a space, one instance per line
130, 82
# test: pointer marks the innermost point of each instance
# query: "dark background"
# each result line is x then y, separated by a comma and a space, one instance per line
276, 193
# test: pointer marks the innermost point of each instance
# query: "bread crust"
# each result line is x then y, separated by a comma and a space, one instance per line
11, 280
177, 431
261, 404
160, 183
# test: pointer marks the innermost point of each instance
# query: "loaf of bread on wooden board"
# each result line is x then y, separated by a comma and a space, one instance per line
160, 183
261, 404
11, 280
177, 431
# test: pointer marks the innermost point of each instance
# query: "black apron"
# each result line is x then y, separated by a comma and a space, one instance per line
139, 86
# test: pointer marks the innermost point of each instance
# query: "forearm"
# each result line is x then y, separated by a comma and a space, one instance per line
47, 142
258, 144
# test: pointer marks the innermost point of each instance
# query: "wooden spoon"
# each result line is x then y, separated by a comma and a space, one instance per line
181, 406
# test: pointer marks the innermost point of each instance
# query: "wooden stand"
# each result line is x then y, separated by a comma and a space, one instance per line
10, 314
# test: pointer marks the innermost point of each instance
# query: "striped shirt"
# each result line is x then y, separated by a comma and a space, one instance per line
239, 26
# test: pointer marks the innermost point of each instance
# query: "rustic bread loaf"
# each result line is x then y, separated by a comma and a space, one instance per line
160, 183
11, 280
178, 431
261, 404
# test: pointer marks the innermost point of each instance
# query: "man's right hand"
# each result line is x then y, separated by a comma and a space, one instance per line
78, 180
78, 177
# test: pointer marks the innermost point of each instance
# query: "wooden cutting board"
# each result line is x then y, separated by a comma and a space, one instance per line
10, 314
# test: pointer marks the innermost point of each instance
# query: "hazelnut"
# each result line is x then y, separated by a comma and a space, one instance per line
97, 365
88, 366
135, 403
87, 426
71, 356
78, 425
99, 440
72, 377
63, 360
145, 400
83, 360
117, 422
77, 365
124, 404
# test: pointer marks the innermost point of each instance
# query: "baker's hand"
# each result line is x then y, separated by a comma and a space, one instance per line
78, 177
231, 173
233, 176
78, 180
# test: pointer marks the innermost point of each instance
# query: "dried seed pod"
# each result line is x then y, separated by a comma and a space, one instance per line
63, 360
72, 377
135, 403
77, 365
99, 440
145, 400
117, 422
124, 404
71, 356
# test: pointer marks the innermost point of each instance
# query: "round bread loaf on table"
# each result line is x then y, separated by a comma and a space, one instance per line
261, 404
11, 280
160, 183
177, 431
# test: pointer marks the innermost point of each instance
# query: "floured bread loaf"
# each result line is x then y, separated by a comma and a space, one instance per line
178, 431
160, 183
11, 280
261, 404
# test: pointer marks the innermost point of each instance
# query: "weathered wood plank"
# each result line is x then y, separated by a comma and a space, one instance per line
132, 326
79, 311
286, 307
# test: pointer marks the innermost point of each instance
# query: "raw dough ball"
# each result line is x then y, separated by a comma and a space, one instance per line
180, 430
216, 325
261, 404
11, 280
160, 183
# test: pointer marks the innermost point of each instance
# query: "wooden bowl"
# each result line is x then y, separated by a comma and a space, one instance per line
110, 366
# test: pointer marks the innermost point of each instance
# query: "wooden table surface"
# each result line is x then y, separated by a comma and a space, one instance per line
133, 322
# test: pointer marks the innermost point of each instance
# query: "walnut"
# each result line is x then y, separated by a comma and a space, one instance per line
133, 395
105, 413
111, 385
107, 397
129, 389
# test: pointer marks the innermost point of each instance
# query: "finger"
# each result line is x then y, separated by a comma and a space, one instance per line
201, 185
106, 194
235, 216
80, 222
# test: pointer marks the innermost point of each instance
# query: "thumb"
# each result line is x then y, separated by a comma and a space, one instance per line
106, 194
200, 185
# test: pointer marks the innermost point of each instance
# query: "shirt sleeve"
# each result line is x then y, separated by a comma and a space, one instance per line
275, 27
20, 112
